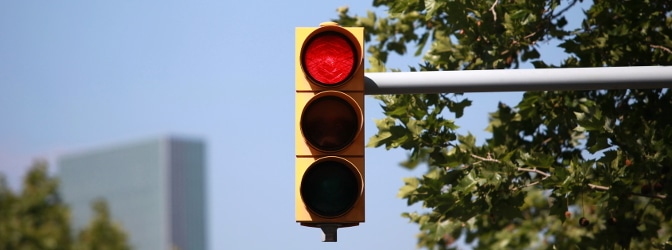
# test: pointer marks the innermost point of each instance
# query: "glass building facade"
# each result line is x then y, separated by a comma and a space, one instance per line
155, 190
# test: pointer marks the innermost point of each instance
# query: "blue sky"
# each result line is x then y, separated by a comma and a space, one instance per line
76, 75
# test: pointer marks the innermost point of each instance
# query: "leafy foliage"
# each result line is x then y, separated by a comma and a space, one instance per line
37, 218
563, 170
102, 233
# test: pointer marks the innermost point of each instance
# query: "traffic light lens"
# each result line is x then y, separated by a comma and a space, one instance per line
329, 58
329, 123
330, 188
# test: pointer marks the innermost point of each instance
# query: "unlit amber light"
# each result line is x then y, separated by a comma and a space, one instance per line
329, 123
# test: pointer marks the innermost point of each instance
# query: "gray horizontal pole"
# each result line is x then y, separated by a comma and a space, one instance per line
500, 80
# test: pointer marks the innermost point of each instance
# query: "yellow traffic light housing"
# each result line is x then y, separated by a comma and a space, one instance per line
329, 185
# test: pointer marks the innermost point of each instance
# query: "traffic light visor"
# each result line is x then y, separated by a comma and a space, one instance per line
330, 121
329, 57
330, 187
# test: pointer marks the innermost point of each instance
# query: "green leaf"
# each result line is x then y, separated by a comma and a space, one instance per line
559, 207
411, 184
532, 54
458, 107
562, 22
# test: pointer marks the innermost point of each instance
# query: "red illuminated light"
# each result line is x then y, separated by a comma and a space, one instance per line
329, 58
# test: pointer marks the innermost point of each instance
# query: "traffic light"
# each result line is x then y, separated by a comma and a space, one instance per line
329, 184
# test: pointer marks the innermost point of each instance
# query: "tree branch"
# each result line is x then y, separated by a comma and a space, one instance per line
545, 175
530, 35
533, 170
554, 16
604, 188
487, 158
661, 47
492, 9
598, 187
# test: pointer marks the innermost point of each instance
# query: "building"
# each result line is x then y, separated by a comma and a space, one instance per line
155, 189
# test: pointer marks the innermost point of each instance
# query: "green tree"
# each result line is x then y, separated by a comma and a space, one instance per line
563, 170
102, 233
37, 218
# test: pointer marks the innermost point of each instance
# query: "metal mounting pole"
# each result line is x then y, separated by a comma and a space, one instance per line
500, 80
329, 232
